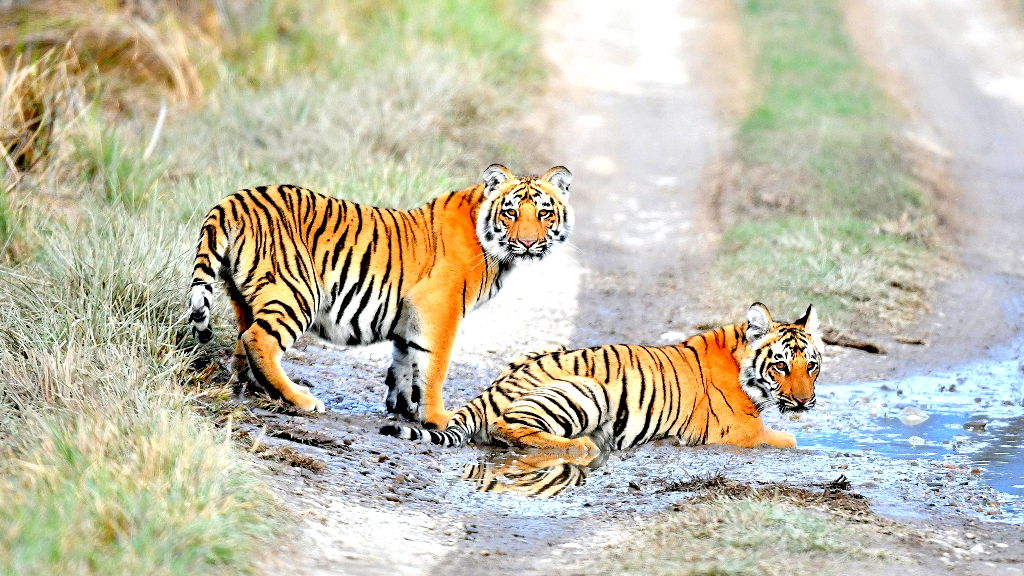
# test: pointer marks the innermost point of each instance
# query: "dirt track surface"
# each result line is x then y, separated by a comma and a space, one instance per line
637, 124
639, 134
959, 66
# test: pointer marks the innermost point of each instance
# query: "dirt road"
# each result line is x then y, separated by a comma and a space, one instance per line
639, 134
637, 122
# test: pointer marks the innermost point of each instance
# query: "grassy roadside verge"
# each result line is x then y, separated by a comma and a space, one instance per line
105, 466
822, 206
728, 526
723, 537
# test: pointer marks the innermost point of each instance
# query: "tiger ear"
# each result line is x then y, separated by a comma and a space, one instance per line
560, 177
759, 322
810, 320
810, 323
494, 176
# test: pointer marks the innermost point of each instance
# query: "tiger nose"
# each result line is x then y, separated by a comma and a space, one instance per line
527, 243
802, 401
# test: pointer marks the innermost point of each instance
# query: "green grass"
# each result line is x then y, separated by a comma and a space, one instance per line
115, 168
824, 207
502, 32
105, 468
105, 465
10, 222
739, 537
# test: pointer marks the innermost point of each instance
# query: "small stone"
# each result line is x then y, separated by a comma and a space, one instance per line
975, 425
912, 416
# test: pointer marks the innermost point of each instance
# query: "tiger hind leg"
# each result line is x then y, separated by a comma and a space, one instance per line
241, 377
520, 435
263, 352
566, 415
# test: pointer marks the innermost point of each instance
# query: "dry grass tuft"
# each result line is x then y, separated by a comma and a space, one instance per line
39, 102
834, 496
741, 537
138, 44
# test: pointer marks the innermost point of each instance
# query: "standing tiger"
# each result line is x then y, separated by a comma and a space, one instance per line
293, 260
710, 389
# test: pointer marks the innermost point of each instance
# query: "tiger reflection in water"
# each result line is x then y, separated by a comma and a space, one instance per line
538, 474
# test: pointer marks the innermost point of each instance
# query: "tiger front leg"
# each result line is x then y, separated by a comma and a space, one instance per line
755, 433
404, 379
428, 330
409, 385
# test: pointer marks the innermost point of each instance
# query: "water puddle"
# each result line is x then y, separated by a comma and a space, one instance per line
970, 419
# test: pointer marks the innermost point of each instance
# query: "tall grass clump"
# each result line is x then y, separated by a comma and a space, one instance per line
41, 104
406, 116
116, 169
105, 467
139, 48
822, 205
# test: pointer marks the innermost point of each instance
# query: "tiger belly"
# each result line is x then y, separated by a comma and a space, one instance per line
367, 319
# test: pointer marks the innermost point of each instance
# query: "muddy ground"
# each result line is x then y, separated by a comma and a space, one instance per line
634, 113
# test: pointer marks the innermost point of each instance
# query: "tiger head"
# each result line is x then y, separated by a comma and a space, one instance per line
523, 218
783, 360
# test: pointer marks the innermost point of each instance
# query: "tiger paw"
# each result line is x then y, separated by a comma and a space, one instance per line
437, 420
309, 403
583, 445
404, 401
780, 439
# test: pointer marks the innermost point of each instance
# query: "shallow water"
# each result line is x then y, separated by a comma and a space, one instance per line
971, 416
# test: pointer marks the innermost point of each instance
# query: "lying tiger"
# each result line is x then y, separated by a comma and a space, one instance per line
294, 261
710, 389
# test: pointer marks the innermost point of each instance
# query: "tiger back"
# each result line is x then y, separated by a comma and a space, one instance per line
709, 389
293, 260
